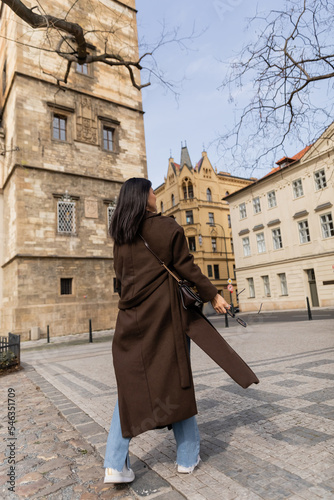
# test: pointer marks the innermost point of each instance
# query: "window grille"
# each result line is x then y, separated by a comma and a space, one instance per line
108, 138
277, 239
246, 246
59, 127
320, 179
327, 226
257, 205
272, 202
251, 288
261, 244
66, 217
297, 187
242, 211
304, 232
110, 212
66, 286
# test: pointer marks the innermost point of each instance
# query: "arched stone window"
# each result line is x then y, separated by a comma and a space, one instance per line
208, 194
173, 200
162, 207
190, 190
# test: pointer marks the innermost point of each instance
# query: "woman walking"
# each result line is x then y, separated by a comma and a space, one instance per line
151, 341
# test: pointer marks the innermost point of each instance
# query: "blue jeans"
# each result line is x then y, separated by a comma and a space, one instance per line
186, 436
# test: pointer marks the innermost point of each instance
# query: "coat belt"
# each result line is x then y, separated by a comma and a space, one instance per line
142, 294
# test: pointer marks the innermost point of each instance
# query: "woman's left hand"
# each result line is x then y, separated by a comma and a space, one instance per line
219, 304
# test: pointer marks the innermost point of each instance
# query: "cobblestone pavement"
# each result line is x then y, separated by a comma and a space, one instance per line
52, 459
269, 442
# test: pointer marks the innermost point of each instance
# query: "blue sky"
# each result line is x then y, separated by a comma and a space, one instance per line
202, 111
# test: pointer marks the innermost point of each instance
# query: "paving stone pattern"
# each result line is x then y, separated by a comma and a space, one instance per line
52, 458
269, 442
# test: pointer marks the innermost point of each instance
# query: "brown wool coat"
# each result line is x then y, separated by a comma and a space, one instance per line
150, 354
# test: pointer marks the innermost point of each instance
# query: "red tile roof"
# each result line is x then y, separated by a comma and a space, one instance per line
296, 157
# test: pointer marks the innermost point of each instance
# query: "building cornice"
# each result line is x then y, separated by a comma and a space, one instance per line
61, 257
284, 261
76, 91
59, 172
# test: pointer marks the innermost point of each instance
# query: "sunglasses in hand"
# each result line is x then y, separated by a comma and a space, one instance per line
238, 320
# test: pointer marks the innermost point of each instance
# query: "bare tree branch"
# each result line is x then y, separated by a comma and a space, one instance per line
74, 47
292, 56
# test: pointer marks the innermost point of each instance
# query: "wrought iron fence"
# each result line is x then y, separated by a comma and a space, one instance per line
9, 351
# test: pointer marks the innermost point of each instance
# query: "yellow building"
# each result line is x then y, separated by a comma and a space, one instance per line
193, 195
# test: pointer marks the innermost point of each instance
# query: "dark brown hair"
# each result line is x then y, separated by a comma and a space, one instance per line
130, 210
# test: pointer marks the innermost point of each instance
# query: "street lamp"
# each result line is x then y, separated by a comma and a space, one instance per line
214, 224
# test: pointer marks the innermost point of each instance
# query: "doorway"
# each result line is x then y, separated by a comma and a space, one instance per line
313, 287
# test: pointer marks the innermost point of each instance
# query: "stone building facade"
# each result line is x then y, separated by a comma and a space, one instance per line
283, 229
193, 195
64, 153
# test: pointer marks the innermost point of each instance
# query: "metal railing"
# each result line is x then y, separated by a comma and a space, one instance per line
9, 351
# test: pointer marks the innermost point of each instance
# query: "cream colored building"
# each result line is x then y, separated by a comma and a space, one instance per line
193, 195
283, 231
64, 154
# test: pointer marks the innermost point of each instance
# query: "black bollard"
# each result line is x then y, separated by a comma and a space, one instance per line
90, 331
48, 334
226, 320
308, 309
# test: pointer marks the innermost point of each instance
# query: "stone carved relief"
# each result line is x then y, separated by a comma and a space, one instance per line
91, 208
86, 124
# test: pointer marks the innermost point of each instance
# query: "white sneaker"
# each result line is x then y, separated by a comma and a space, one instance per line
188, 470
115, 476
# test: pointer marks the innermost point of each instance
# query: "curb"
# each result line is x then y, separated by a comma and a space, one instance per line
148, 484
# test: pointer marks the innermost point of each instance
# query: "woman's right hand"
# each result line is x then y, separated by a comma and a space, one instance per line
219, 304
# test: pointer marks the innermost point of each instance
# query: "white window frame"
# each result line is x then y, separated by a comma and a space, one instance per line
320, 179
242, 211
272, 202
284, 284
214, 244
266, 286
261, 243
246, 246
327, 225
297, 186
251, 288
304, 231
256, 205
277, 239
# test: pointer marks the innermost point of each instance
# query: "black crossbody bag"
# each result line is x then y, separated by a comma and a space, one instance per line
189, 298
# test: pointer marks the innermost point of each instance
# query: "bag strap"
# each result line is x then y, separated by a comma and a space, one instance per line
161, 262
